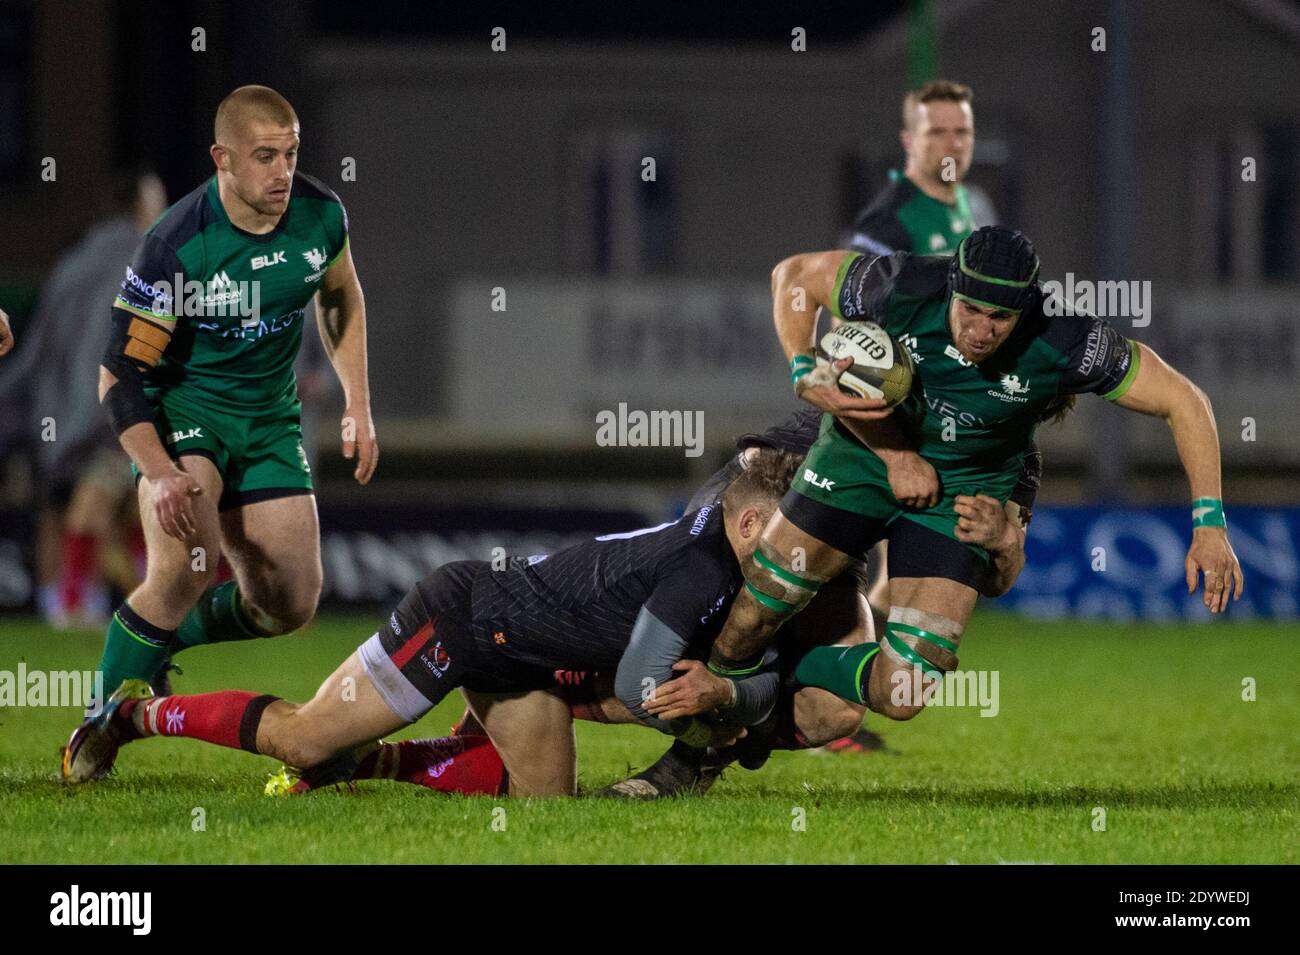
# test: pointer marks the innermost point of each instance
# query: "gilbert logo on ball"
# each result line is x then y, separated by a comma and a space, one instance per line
882, 368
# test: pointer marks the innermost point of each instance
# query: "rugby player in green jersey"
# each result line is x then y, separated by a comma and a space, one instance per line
991, 356
198, 384
926, 208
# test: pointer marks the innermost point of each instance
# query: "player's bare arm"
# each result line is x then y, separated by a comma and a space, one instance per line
1160, 390
912, 479
168, 485
6, 334
341, 321
801, 285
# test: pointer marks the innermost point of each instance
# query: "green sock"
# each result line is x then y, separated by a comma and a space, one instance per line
217, 617
842, 670
133, 648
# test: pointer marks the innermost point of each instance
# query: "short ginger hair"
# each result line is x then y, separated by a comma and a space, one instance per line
249, 103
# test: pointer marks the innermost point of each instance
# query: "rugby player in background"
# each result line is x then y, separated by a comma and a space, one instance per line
6, 334
85, 535
926, 208
994, 357
632, 604
198, 384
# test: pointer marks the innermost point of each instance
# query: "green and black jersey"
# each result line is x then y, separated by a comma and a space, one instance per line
968, 417
902, 218
973, 422
208, 323
230, 303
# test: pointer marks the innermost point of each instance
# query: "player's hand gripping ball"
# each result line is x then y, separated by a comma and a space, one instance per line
882, 368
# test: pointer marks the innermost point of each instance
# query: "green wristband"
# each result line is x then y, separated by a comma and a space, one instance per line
800, 365
1208, 512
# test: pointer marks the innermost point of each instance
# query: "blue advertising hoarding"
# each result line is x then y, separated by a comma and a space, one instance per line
1128, 564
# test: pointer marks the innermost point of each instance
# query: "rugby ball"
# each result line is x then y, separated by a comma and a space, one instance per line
882, 368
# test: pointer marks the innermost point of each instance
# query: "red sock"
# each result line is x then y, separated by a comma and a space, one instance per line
453, 764
78, 567
228, 718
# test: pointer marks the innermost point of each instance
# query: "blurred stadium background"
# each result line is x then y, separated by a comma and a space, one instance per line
477, 170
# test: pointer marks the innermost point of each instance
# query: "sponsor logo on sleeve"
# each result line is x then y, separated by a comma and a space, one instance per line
701, 519
1096, 350
156, 296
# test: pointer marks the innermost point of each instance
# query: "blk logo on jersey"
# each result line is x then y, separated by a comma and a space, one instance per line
184, 435
262, 261
811, 477
952, 352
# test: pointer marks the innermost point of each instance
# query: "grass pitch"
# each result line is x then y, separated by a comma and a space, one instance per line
1144, 722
